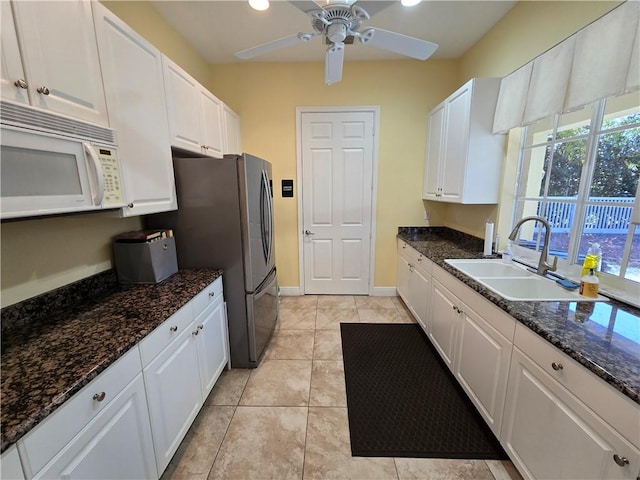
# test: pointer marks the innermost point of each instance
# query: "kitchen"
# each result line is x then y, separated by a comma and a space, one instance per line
77, 247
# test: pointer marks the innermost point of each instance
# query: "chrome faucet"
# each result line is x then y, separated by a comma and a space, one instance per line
543, 266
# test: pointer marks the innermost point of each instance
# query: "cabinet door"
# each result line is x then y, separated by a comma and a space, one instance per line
456, 143
231, 122
434, 157
443, 328
549, 433
212, 341
419, 293
115, 445
211, 121
483, 366
183, 107
60, 56
12, 70
132, 70
173, 391
403, 273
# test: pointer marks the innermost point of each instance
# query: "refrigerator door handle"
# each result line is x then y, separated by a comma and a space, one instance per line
263, 207
268, 228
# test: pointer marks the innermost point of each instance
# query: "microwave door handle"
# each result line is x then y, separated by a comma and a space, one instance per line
99, 174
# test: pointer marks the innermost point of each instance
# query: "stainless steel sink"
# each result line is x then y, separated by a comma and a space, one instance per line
514, 282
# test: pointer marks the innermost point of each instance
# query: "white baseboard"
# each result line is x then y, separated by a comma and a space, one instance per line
377, 292
290, 291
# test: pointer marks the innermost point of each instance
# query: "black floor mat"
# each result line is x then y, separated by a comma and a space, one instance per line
404, 402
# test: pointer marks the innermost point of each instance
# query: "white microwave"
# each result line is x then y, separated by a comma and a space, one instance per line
45, 173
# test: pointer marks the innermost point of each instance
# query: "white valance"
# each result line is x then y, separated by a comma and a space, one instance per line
548, 85
512, 99
602, 57
599, 61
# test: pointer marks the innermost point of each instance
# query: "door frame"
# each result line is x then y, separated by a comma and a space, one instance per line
375, 109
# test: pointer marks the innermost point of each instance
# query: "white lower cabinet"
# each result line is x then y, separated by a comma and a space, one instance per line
173, 391
445, 322
115, 445
550, 434
414, 282
193, 352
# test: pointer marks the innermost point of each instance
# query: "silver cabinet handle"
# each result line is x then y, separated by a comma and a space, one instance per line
174, 328
621, 461
200, 327
165, 247
308, 232
43, 90
20, 83
195, 332
98, 397
557, 366
130, 205
212, 294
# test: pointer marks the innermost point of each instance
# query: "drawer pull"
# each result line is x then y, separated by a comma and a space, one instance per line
43, 90
195, 332
98, 397
212, 294
174, 328
200, 327
622, 461
557, 366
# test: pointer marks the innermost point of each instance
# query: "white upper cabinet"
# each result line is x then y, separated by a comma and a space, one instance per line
464, 158
231, 122
13, 81
134, 87
195, 114
60, 65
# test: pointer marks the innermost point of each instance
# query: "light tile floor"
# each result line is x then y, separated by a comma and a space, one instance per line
288, 417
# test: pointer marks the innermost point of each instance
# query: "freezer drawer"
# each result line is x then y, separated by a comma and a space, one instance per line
262, 313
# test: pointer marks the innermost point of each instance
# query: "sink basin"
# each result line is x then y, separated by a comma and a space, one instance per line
489, 268
513, 282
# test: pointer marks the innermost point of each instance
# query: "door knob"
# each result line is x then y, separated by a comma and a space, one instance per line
308, 232
21, 83
43, 90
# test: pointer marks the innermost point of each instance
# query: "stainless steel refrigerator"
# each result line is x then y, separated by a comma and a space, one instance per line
225, 220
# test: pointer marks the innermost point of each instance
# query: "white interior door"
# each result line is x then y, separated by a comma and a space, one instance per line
337, 150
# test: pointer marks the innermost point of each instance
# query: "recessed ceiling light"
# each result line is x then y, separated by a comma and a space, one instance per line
259, 4
409, 3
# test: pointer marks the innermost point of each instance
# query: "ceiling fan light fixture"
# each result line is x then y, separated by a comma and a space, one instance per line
409, 3
259, 4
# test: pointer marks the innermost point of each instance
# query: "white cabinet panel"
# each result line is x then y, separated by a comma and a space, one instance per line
115, 445
173, 391
134, 87
419, 295
211, 112
10, 467
549, 433
464, 158
13, 82
231, 120
483, 366
60, 58
403, 271
213, 353
445, 322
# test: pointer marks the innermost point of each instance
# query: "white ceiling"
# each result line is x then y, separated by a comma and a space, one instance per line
218, 29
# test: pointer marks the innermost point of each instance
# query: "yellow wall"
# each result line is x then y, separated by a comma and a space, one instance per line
266, 95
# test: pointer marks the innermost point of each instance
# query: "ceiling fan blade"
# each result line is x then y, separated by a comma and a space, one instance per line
398, 43
274, 45
306, 5
333, 63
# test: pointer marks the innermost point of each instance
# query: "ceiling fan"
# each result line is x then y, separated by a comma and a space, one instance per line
339, 22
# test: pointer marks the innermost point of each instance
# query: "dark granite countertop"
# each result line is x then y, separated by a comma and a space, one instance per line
602, 336
44, 362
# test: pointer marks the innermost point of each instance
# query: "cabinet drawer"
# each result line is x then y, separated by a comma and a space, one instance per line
208, 296
44, 441
614, 407
163, 335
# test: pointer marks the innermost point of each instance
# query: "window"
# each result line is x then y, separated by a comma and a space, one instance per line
580, 171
